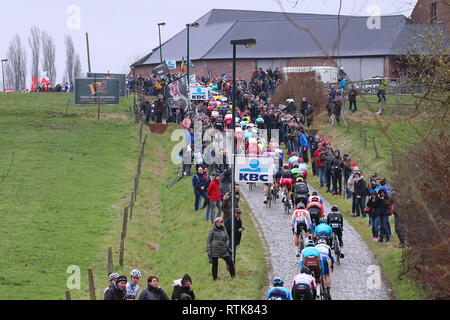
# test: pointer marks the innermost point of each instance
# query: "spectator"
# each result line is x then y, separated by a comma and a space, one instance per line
199, 184
382, 210
337, 107
352, 98
214, 197
360, 194
304, 145
153, 290
226, 206
218, 246
374, 219
309, 113
183, 286
382, 90
329, 158
336, 172
347, 161
159, 108
237, 227
321, 160
398, 221
351, 187
117, 290
313, 147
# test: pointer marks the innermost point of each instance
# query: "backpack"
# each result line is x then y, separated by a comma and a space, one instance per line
302, 188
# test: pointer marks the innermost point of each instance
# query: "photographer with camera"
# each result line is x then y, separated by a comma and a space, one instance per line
382, 211
159, 108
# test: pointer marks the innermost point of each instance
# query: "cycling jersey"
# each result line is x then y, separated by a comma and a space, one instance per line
323, 229
286, 182
325, 250
335, 220
300, 215
304, 278
315, 208
312, 258
278, 293
131, 291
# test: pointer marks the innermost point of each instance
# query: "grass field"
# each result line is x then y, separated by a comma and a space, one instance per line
391, 133
63, 198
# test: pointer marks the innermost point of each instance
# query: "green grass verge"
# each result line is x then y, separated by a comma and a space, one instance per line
63, 199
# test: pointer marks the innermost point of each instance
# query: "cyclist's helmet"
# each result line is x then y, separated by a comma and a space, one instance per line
335, 208
306, 270
321, 240
314, 193
293, 154
310, 243
300, 205
135, 273
323, 220
278, 282
285, 166
113, 275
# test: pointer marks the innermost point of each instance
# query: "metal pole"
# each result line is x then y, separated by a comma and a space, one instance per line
233, 183
3, 75
188, 86
160, 49
88, 56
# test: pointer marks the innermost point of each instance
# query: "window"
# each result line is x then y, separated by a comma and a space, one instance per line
433, 12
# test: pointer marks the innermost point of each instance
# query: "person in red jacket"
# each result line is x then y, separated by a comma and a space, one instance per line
321, 164
214, 198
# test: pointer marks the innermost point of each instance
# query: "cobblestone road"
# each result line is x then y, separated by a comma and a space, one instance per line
354, 279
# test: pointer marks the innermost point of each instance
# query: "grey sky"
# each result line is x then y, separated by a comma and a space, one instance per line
121, 30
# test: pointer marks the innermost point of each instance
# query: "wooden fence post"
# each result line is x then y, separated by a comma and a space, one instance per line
91, 284
110, 261
360, 130
67, 106
131, 203
375, 147
393, 160
135, 188
140, 131
123, 235
365, 138
68, 295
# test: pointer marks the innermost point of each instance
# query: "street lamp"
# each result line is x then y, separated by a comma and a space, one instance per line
193, 25
3, 74
248, 43
159, 31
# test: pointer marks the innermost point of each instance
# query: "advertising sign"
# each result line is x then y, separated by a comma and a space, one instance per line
94, 91
171, 64
198, 93
161, 69
121, 76
253, 169
177, 94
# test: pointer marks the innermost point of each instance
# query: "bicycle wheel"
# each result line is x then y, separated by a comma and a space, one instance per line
337, 251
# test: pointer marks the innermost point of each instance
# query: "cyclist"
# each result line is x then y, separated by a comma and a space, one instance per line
301, 191
293, 159
259, 122
132, 287
296, 172
315, 197
323, 230
300, 221
312, 258
111, 278
278, 292
284, 179
267, 186
304, 285
325, 250
315, 209
336, 222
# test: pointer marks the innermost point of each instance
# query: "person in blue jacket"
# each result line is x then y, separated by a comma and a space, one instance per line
304, 144
199, 184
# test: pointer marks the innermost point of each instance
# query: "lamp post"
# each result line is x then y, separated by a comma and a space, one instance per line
3, 74
194, 25
248, 43
159, 31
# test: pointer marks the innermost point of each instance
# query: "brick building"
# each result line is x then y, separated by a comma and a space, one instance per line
363, 48
432, 11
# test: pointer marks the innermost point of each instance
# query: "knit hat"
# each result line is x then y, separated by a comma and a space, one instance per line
122, 278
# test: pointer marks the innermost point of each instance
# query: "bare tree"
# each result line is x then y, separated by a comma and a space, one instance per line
70, 57
77, 67
16, 66
34, 39
48, 52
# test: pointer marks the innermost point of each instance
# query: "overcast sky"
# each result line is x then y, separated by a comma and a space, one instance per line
121, 30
